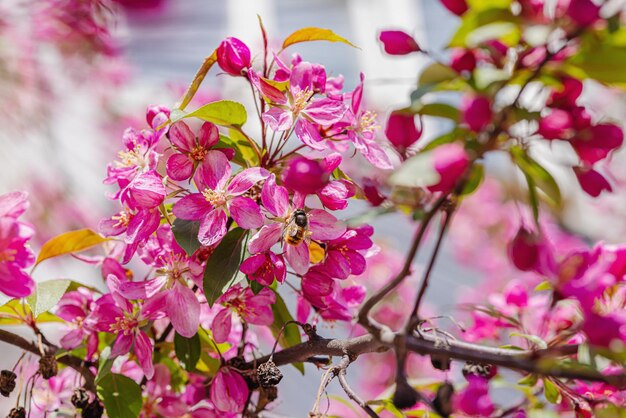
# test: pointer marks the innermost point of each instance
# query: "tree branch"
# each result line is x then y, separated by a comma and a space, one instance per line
341, 376
67, 359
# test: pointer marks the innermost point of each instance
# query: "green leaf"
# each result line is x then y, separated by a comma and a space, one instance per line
539, 176
186, 235
223, 264
440, 110
436, 73
417, 171
291, 334
121, 396
603, 59
187, 350
551, 391
528, 380
69, 242
222, 112
104, 364
507, 32
244, 153
610, 411
488, 4
478, 18
314, 34
545, 285
476, 177
47, 295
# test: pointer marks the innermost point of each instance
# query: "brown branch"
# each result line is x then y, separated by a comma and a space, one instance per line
67, 359
530, 361
341, 376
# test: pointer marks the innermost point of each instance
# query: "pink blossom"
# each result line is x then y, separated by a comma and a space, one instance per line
145, 191
265, 268
462, 60
157, 115
335, 194
345, 255
458, 7
135, 226
159, 398
450, 161
233, 56
54, 394
254, 309
591, 181
567, 97
321, 226
75, 307
583, 12
304, 176
556, 125
220, 196
192, 151
402, 131
474, 400
15, 255
476, 111
229, 391
524, 249
298, 109
598, 142
116, 314
397, 42
343, 303
173, 271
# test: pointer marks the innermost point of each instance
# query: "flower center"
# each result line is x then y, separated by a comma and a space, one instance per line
7, 255
198, 153
214, 197
124, 325
300, 100
131, 158
123, 219
367, 122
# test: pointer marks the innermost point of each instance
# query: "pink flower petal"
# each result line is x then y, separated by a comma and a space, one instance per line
278, 119
221, 326
192, 207
298, 257
181, 136
246, 213
309, 134
212, 227
242, 182
214, 171
209, 135
122, 345
326, 111
267, 236
143, 351
14, 282
397, 42
183, 309
179, 167
325, 226
275, 198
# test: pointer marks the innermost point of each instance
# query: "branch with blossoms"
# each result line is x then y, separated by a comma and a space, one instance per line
229, 222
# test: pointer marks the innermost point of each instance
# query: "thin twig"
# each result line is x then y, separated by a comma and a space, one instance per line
341, 376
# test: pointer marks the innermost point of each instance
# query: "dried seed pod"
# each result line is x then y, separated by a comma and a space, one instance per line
271, 393
95, 409
443, 400
7, 382
48, 366
269, 374
479, 369
18, 412
80, 398
405, 396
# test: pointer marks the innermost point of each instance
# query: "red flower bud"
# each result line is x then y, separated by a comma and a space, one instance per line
566, 98
476, 112
592, 182
458, 7
304, 175
463, 60
583, 12
557, 125
396, 42
450, 161
402, 131
233, 56
524, 250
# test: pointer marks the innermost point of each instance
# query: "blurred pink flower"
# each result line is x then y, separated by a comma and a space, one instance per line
397, 42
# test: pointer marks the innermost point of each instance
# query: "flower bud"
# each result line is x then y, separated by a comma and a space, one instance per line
397, 42
476, 112
566, 98
269, 374
458, 7
524, 249
7, 382
583, 12
557, 125
233, 56
443, 400
450, 161
157, 115
463, 60
304, 175
402, 131
592, 182
48, 366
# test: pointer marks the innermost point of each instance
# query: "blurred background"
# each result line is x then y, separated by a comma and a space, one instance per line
70, 86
